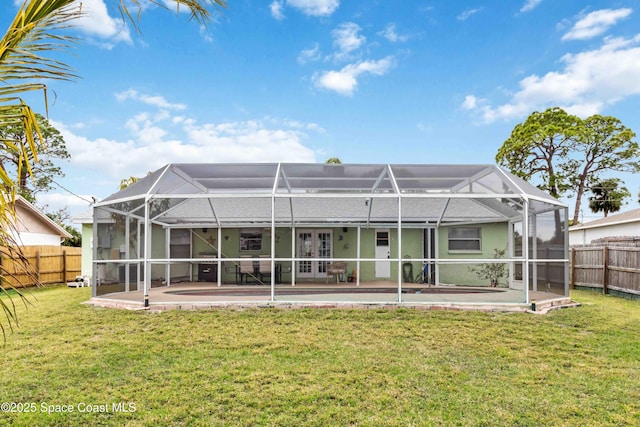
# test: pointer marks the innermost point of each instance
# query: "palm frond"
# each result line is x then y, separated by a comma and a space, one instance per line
199, 9
36, 29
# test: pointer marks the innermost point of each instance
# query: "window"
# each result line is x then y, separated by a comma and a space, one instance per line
382, 238
464, 239
250, 240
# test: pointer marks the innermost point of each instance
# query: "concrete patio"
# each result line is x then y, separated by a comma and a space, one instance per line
199, 295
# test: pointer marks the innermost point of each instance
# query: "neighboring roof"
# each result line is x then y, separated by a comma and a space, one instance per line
621, 218
328, 193
84, 218
43, 220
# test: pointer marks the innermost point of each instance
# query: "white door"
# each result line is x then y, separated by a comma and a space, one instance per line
314, 244
383, 268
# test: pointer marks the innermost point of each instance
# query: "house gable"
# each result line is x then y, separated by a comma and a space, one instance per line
32, 227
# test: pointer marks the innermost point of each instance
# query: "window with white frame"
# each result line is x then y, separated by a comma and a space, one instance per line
465, 239
250, 240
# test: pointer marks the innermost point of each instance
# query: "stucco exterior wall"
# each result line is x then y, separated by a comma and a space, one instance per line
344, 243
87, 250
585, 236
493, 236
34, 229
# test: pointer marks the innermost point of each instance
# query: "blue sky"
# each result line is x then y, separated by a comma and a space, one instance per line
305, 80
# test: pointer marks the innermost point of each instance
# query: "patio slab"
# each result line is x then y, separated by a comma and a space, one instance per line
198, 295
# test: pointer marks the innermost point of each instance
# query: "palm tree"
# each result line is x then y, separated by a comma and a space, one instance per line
608, 196
39, 29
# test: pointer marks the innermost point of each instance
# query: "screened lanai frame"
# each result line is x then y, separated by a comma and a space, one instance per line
294, 195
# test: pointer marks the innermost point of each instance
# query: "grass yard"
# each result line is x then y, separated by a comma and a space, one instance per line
72, 365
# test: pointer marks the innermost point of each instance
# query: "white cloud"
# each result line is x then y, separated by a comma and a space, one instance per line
158, 138
249, 141
97, 22
344, 81
309, 55
467, 13
596, 23
346, 39
294, 124
589, 82
276, 10
53, 202
530, 5
315, 7
470, 102
390, 34
205, 34
154, 100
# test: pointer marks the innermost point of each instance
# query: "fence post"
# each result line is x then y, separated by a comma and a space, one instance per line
572, 272
64, 266
605, 270
38, 266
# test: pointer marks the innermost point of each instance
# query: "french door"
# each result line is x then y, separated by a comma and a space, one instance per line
314, 244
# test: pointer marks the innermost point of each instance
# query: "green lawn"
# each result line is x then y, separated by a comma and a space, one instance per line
321, 367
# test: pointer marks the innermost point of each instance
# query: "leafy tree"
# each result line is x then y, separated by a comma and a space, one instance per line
606, 145
567, 153
608, 196
539, 146
75, 240
334, 161
44, 171
38, 30
62, 217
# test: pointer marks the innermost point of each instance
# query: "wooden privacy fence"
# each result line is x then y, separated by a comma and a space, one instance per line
47, 264
610, 268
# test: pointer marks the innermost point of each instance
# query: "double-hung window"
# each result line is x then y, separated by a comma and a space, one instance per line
250, 240
465, 239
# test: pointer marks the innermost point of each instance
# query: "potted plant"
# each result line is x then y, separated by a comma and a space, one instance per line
493, 272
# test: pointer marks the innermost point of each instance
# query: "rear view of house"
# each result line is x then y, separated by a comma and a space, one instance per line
288, 225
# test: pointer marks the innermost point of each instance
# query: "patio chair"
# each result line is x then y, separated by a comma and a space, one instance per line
245, 268
337, 270
264, 269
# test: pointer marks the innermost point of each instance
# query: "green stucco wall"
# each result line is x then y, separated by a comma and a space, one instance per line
493, 236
